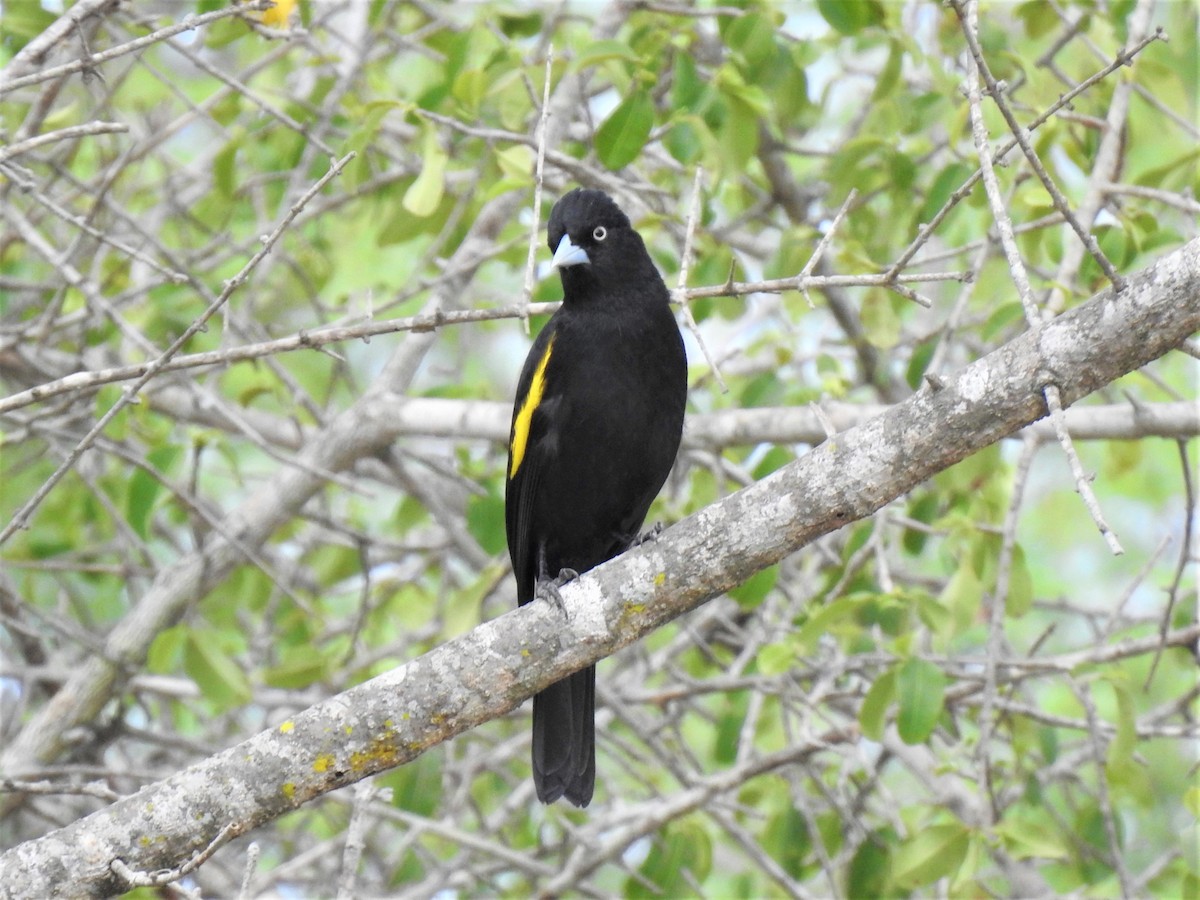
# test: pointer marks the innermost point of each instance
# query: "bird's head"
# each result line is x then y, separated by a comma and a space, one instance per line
593, 241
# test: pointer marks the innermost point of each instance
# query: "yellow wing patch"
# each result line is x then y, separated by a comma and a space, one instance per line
520, 435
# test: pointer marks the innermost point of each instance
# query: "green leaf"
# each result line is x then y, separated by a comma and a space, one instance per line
902, 173
622, 135
1120, 749
689, 92
787, 839
166, 650
752, 35
469, 88
330, 563
369, 121
820, 622
728, 734
299, 672
775, 659
680, 858
520, 25
773, 459
737, 137
144, 488
1191, 801
223, 32
516, 161
889, 78
225, 169
789, 93
921, 508
1020, 585
932, 613
403, 226
879, 319
416, 786
917, 364
851, 16
947, 182
485, 521
603, 51
920, 687
219, 678
872, 715
683, 140
1001, 319
1039, 18
425, 194
1028, 836
750, 593
750, 98
933, 852
870, 869
962, 593
21, 23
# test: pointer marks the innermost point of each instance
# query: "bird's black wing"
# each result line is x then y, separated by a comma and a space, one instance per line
531, 448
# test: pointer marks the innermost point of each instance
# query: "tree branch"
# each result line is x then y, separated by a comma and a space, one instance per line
393, 718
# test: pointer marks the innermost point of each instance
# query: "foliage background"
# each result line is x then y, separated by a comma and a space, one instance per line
1073, 769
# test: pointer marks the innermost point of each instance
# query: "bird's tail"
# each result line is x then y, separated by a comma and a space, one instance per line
564, 739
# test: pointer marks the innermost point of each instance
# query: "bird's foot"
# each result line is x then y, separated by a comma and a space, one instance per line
547, 589
649, 537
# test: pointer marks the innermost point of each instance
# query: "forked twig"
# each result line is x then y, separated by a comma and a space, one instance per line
680, 292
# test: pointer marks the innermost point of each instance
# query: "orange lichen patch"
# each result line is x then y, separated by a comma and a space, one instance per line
287, 727
660, 579
289, 790
381, 753
324, 762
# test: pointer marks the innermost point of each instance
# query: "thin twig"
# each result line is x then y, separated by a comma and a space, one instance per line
90, 789
21, 517
1020, 278
33, 53
252, 852
190, 23
991, 184
733, 288
1021, 134
539, 170
83, 225
823, 243
1123, 59
63, 134
1185, 550
996, 612
303, 340
1082, 482
364, 792
689, 239
1103, 800
134, 878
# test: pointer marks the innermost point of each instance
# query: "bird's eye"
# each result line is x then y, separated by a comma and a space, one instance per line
600, 233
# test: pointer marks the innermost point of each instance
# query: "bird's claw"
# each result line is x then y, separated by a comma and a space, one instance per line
649, 537
547, 589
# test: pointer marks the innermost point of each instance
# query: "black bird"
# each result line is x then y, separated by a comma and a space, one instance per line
596, 426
